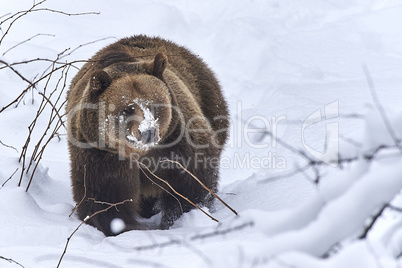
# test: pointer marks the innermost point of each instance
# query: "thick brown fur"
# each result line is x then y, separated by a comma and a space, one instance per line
106, 105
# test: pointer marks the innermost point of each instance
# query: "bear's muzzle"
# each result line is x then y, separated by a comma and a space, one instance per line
148, 136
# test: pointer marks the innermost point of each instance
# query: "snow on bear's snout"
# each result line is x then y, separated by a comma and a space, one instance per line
148, 128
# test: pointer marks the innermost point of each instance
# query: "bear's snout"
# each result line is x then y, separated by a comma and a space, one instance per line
148, 136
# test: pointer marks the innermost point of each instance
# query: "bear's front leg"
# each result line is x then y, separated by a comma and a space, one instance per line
172, 208
107, 213
101, 184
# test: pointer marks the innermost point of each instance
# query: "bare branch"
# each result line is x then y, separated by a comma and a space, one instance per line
53, 108
63, 54
397, 209
11, 261
32, 60
65, 13
15, 17
9, 178
350, 141
380, 108
101, 202
85, 192
340, 116
17, 73
42, 151
85, 221
27, 40
372, 222
202, 184
177, 193
165, 190
18, 15
5, 15
9, 146
315, 164
86, 44
290, 147
216, 232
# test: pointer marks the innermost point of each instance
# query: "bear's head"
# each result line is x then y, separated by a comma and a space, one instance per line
132, 106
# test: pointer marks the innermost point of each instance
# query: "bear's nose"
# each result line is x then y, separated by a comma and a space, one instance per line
148, 136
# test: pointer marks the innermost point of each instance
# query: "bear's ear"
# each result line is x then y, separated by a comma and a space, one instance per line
100, 80
158, 65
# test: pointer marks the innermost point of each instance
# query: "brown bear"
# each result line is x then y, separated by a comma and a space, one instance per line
145, 100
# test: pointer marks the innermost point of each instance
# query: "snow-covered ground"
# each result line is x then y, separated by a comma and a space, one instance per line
299, 69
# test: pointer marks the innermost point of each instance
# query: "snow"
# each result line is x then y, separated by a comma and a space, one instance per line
282, 66
117, 225
148, 123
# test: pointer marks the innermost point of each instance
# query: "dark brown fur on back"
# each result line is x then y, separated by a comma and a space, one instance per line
144, 99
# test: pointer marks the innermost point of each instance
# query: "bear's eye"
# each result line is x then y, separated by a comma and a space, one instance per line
129, 111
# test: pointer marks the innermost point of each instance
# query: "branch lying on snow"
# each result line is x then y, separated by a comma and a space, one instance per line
370, 196
11, 261
366, 230
375, 217
216, 232
315, 164
372, 222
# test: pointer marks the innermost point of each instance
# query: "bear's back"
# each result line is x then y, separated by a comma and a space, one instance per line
191, 69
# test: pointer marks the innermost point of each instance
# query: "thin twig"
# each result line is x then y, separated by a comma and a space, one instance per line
42, 151
372, 222
397, 209
177, 193
40, 79
53, 108
5, 15
9, 178
314, 164
20, 14
216, 232
86, 44
27, 40
202, 184
165, 190
31, 60
63, 54
101, 202
22, 11
9, 146
380, 108
32, 85
85, 221
11, 261
85, 192
65, 13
